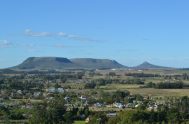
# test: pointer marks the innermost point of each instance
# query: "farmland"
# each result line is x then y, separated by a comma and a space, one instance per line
82, 94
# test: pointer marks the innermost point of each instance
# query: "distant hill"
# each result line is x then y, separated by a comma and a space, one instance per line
147, 65
58, 63
96, 63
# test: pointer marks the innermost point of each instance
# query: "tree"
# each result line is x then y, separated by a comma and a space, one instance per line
120, 95
16, 114
39, 115
51, 113
112, 74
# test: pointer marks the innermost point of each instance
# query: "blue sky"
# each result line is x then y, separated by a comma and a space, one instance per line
129, 31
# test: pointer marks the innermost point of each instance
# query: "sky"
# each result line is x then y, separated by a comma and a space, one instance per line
129, 31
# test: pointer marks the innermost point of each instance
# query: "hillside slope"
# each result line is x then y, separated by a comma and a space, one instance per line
58, 63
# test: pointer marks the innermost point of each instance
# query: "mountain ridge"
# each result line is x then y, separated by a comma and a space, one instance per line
59, 63
62, 63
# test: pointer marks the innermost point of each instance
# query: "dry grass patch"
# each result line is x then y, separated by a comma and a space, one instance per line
160, 92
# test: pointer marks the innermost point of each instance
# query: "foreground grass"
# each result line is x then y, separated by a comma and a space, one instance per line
79, 122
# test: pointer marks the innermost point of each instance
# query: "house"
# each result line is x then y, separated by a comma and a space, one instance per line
19, 92
51, 90
60, 90
130, 105
98, 104
36, 94
67, 98
55, 90
137, 105
152, 107
118, 105
82, 98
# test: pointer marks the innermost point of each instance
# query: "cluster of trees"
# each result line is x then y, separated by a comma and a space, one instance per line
16, 84
141, 75
170, 85
99, 118
114, 96
7, 113
55, 112
117, 96
109, 97
183, 76
166, 85
64, 75
102, 82
31, 81
145, 117
90, 85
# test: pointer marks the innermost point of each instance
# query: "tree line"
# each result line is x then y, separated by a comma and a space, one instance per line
102, 82
166, 85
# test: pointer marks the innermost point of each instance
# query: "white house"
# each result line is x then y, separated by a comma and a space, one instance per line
51, 90
60, 90
83, 98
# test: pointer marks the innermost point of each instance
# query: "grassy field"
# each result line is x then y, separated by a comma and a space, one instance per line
135, 89
120, 86
26, 100
79, 122
160, 92
74, 85
161, 71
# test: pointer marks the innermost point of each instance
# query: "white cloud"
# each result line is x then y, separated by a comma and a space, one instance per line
74, 37
29, 32
5, 44
62, 34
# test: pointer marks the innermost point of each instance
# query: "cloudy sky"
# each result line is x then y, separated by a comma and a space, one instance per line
129, 31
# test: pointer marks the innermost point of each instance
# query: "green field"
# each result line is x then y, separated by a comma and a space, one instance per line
160, 92
79, 122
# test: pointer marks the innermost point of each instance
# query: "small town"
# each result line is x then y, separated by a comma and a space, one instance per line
87, 92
